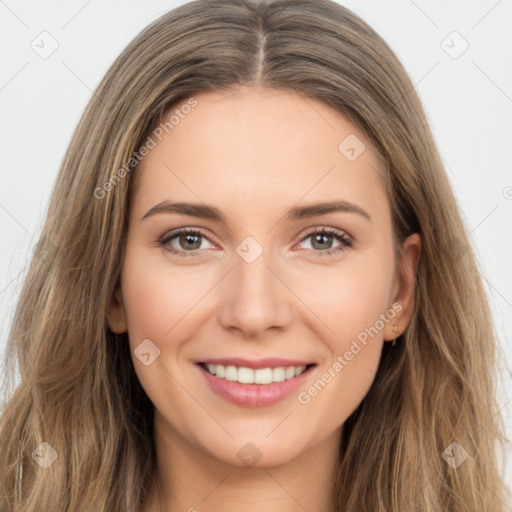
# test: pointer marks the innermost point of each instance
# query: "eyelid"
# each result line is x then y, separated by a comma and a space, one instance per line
186, 229
324, 229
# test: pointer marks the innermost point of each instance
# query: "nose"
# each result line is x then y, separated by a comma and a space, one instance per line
255, 299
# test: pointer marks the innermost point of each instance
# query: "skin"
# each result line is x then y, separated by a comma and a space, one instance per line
254, 154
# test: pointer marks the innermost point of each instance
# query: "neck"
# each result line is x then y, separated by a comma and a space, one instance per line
187, 479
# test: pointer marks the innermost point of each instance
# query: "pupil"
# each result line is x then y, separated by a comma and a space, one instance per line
319, 237
190, 239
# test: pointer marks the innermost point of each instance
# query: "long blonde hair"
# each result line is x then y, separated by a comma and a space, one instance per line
78, 391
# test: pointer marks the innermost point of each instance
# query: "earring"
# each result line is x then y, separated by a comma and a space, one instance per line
394, 328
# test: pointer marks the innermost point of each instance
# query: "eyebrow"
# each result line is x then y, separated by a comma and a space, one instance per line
205, 211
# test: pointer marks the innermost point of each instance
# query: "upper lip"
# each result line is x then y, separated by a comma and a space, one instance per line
272, 362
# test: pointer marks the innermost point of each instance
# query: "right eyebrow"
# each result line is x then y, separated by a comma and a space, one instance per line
193, 209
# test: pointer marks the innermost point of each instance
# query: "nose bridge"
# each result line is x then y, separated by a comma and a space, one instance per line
255, 299
251, 271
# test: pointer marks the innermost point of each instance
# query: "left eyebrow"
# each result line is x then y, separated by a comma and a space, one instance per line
303, 212
296, 213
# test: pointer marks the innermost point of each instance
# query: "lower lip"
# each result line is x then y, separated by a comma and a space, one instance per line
255, 395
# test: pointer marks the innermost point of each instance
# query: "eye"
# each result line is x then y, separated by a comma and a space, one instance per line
188, 240
322, 239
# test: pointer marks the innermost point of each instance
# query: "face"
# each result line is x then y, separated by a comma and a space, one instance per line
288, 305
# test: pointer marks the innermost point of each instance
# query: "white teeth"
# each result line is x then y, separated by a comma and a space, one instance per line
231, 373
278, 374
245, 375
289, 373
219, 370
263, 376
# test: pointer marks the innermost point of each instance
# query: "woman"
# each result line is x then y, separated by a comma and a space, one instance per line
256, 368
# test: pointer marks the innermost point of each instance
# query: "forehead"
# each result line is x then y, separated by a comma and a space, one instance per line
274, 146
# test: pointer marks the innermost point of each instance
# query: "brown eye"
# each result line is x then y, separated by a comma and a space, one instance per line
184, 242
322, 240
189, 241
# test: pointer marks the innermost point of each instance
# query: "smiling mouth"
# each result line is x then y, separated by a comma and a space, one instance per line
245, 375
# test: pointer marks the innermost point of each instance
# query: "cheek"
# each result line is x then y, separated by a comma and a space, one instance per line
340, 387
159, 298
345, 300
160, 305
352, 308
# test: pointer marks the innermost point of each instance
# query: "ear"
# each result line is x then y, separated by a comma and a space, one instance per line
116, 316
404, 287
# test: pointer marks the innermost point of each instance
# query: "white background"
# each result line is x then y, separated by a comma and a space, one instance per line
468, 102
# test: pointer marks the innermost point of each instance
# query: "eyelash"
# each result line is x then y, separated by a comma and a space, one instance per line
345, 241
